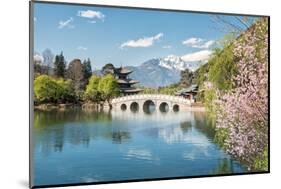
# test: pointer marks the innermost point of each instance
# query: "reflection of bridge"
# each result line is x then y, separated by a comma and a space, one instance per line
143, 101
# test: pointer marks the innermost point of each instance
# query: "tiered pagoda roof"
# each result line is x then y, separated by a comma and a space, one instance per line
130, 90
125, 83
123, 70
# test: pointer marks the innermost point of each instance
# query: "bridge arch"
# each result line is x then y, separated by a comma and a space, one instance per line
164, 107
149, 106
134, 107
123, 107
176, 108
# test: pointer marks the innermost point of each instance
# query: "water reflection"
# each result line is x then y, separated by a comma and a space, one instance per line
120, 136
55, 128
142, 154
113, 145
225, 166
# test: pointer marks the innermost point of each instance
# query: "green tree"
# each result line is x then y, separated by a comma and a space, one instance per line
201, 74
59, 66
47, 89
107, 69
222, 68
40, 69
169, 90
66, 92
92, 93
108, 87
147, 90
87, 70
186, 78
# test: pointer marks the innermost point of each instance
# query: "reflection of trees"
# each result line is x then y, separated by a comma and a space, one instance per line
225, 166
120, 136
52, 118
58, 141
52, 129
185, 126
79, 134
182, 130
115, 134
204, 124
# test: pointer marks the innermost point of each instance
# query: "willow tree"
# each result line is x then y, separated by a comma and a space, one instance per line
92, 92
108, 87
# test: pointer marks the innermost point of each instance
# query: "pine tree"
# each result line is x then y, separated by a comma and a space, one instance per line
87, 69
59, 65
186, 78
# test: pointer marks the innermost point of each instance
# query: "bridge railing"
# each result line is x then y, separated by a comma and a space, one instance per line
151, 97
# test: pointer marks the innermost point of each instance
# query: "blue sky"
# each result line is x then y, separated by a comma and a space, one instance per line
122, 36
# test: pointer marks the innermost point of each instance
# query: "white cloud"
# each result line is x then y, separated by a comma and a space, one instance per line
167, 47
142, 42
38, 58
192, 41
35, 19
207, 44
198, 43
91, 14
82, 48
66, 24
197, 56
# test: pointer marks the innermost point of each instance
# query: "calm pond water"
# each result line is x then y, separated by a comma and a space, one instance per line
76, 146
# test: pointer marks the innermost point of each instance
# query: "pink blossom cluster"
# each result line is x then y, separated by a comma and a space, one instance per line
243, 111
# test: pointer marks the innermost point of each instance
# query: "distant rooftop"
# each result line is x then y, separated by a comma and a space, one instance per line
192, 88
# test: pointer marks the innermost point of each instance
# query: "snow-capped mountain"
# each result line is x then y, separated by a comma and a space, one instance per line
176, 62
164, 71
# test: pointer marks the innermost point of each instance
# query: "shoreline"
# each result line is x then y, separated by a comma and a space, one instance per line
90, 106
66, 106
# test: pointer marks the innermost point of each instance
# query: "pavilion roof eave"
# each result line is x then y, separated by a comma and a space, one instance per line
131, 90
122, 81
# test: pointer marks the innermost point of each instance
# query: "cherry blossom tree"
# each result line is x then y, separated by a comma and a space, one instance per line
243, 110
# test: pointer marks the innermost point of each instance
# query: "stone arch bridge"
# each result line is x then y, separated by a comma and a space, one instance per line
161, 102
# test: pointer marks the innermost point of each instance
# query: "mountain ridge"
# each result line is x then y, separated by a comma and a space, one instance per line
159, 72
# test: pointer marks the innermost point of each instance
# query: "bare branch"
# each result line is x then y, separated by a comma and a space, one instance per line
243, 22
